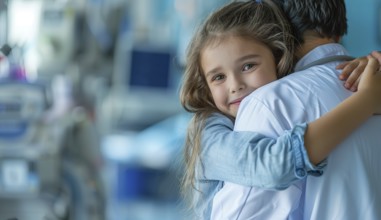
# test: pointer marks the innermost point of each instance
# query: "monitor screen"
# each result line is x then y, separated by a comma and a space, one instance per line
150, 68
146, 87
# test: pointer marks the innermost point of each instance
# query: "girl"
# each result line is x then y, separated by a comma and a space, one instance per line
249, 44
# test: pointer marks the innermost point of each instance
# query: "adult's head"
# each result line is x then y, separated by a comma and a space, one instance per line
326, 18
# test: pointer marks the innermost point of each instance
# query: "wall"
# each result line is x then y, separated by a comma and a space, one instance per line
364, 21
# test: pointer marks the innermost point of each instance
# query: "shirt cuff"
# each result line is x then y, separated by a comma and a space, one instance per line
303, 166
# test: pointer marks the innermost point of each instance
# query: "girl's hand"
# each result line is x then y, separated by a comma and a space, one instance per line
377, 55
370, 82
352, 71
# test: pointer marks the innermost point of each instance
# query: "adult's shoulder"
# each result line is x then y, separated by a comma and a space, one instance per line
292, 85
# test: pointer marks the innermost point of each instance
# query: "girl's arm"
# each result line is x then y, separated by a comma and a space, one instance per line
325, 133
252, 159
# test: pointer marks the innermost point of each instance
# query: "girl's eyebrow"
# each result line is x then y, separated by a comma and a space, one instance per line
249, 56
212, 72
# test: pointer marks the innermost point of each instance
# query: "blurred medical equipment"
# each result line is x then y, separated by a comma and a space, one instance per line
41, 176
144, 169
144, 91
30, 149
56, 40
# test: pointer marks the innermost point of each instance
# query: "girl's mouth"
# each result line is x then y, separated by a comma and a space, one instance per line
237, 101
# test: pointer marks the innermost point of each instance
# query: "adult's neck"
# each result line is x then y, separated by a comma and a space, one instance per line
311, 41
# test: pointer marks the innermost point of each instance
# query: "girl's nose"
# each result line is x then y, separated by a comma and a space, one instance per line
236, 85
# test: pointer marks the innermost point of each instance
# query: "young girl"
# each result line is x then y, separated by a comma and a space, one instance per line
240, 48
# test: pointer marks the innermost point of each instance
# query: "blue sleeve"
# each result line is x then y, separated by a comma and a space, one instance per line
251, 159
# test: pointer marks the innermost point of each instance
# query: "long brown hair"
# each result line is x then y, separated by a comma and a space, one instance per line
263, 22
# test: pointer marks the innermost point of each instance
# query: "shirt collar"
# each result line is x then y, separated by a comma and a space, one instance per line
319, 52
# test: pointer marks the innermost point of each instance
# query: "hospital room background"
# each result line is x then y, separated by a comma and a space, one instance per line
91, 127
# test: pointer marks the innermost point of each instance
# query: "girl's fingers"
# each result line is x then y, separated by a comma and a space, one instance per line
353, 78
377, 55
355, 85
347, 68
342, 65
370, 69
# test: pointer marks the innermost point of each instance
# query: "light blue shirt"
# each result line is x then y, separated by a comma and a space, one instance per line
351, 185
249, 159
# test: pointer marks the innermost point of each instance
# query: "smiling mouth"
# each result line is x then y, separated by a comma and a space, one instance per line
236, 102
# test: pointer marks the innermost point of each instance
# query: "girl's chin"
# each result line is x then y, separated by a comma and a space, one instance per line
234, 112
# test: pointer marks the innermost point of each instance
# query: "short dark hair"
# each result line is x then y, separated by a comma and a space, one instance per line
326, 17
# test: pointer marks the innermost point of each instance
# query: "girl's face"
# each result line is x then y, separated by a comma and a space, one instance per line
234, 68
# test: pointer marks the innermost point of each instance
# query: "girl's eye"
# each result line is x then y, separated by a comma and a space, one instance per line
247, 67
218, 77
